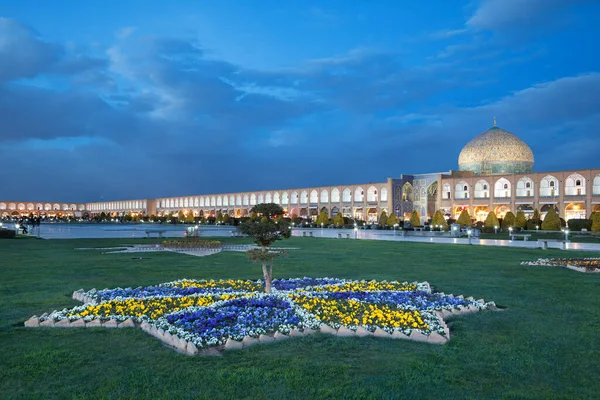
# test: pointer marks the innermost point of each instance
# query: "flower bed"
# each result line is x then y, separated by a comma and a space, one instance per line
577, 264
191, 243
200, 314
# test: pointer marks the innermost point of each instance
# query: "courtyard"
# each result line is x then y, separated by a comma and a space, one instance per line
540, 344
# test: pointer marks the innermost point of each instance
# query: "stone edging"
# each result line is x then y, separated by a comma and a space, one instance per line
547, 263
189, 348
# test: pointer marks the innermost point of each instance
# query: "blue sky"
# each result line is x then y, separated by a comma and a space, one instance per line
124, 99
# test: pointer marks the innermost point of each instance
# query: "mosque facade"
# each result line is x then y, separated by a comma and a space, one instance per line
495, 173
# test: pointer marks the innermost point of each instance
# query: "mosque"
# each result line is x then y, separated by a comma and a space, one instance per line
495, 173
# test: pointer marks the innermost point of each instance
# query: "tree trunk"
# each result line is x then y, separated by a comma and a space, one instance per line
271, 270
267, 277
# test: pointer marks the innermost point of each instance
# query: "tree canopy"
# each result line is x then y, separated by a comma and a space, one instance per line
392, 220
438, 219
269, 210
415, 218
491, 221
383, 218
464, 219
551, 221
508, 221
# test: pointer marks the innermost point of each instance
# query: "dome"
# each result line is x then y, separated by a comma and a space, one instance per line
496, 151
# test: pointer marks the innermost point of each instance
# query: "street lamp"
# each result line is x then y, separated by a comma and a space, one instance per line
469, 231
537, 228
395, 227
495, 229
355, 232
510, 229
566, 235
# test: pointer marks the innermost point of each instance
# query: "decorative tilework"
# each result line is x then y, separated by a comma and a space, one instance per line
496, 151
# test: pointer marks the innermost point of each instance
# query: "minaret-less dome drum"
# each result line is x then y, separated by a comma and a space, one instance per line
496, 151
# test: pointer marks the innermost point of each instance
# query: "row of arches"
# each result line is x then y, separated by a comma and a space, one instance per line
372, 195
118, 205
575, 185
573, 210
34, 207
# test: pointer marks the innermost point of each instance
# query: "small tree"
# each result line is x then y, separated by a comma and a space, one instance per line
551, 221
595, 217
383, 218
392, 220
265, 233
464, 218
415, 218
508, 221
491, 221
219, 217
323, 218
536, 215
438, 219
521, 220
339, 220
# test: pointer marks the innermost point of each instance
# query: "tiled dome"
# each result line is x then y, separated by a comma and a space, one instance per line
496, 151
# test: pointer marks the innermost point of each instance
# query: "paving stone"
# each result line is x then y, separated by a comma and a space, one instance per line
473, 308
78, 323
32, 322
360, 331
145, 326
250, 341
48, 322
180, 344
280, 336
328, 329
308, 331
159, 333
436, 338
380, 333
399, 335
111, 323
233, 345
418, 336
345, 332
295, 333
191, 349
63, 323
93, 323
266, 339
128, 323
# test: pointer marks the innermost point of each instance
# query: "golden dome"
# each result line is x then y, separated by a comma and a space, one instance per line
496, 151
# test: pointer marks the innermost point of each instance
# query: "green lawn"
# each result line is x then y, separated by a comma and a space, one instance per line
545, 344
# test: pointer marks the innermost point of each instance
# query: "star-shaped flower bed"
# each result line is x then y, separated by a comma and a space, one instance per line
193, 315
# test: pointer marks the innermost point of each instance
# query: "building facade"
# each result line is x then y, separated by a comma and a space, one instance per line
495, 174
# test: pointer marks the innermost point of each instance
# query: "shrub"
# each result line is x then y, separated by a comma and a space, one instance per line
491, 221
521, 220
464, 219
338, 221
192, 243
508, 221
532, 223
415, 218
383, 218
579, 224
7, 234
438, 219
392, 220
595, 217
551, 221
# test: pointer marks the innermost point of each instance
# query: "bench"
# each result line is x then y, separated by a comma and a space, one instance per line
347, 235
543, 243
516, 235
159, 233
309, 233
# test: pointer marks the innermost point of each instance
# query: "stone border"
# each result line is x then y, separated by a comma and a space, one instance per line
547, 262
189, 348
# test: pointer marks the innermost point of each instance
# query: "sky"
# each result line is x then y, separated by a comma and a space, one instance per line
109, 100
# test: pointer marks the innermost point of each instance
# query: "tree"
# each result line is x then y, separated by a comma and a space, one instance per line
595, 217
438, 219
265, 233
508, 221
323, 218
521, 220
491, 221
339, 220
392, 220
551, 221
219, 217
415, 218
383, 218
464, 218
536, 215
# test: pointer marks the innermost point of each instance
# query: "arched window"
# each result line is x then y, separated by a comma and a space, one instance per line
358, 194
314, 197
335, 195
384, 194
575, 185
347, 195
324, 196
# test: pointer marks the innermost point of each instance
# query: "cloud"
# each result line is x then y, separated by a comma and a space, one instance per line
22, 53
496, 15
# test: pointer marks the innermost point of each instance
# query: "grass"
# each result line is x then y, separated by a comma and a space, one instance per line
543, 345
